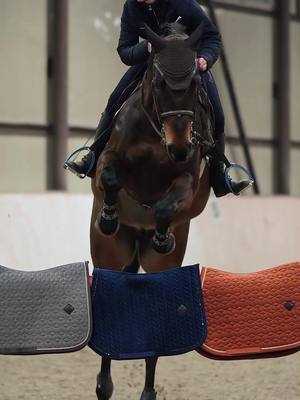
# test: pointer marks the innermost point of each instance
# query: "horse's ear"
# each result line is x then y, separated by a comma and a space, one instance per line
194, 40
157, 41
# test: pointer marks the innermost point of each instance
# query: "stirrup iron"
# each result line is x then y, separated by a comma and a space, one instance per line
91, 166
228, 178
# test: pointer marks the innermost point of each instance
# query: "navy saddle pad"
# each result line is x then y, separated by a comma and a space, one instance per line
44, 311
147, 315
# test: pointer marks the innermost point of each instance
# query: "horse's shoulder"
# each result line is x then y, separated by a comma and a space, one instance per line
144, 151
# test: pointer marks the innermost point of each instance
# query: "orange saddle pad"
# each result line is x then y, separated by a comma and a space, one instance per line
252, 314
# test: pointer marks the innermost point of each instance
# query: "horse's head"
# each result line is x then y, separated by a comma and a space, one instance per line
174, 88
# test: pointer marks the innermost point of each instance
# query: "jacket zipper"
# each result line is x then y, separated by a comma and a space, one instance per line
154, 14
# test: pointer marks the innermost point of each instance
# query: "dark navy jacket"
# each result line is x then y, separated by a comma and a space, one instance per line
135, 15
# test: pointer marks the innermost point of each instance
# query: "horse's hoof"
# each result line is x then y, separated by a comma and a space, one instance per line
109, 224
148, 394
164, 244
105, 388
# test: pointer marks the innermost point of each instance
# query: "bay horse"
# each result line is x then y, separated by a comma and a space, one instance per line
152, 177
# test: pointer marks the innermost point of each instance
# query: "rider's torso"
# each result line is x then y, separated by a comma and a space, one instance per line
158, 14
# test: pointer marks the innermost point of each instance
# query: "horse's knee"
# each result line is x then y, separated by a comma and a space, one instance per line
112, 184
110, 177
165, 211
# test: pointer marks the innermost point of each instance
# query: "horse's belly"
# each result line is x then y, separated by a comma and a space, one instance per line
133, 213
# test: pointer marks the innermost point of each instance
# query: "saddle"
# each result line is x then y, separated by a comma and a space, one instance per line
147, 315
252, 314
44, 311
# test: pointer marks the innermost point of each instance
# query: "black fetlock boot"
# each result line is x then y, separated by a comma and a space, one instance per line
83, 167
217, 174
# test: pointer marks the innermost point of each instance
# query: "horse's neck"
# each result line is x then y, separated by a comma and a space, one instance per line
146, 91
149, 112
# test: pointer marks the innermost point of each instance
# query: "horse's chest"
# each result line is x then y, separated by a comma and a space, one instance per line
150, 173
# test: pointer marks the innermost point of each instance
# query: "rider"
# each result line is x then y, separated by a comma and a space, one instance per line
154, 13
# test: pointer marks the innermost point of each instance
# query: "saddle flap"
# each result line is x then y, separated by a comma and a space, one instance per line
252, 313
147, 315
44, 311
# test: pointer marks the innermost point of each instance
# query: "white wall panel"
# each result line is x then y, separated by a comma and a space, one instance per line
40, 231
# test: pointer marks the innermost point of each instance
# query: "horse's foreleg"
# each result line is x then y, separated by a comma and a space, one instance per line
105, 387
149, 392
111, 180
178, 197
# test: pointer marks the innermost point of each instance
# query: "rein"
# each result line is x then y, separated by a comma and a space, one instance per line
159, 132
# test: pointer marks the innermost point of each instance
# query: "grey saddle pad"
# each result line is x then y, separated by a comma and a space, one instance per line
44, 311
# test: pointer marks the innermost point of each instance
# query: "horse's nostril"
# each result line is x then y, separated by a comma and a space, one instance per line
181, 157
172, 155
178, 154
171, 149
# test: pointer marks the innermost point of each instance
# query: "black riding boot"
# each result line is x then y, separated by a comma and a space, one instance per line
217, 175
81, 167
102, 133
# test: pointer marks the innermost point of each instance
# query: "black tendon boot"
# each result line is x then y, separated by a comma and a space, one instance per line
217, 174
83, 167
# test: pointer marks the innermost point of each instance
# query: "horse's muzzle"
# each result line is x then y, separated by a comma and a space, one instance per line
180, 154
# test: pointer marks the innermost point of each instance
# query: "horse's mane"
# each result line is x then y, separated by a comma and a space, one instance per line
172, 29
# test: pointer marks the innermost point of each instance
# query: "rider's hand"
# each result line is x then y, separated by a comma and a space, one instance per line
202, 64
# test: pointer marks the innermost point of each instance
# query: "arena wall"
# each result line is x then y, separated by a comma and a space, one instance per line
238, 234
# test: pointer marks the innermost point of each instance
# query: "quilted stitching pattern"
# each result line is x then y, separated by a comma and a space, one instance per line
254, 312
44, 311
144, 315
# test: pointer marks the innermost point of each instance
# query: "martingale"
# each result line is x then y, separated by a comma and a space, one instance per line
252, 314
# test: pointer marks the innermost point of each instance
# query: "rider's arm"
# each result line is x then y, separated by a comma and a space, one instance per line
130, 50
211, 40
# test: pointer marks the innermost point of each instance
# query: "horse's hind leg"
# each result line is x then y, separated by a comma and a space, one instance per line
149, 392
105, 387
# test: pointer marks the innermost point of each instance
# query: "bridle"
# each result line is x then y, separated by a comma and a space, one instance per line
196, 138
